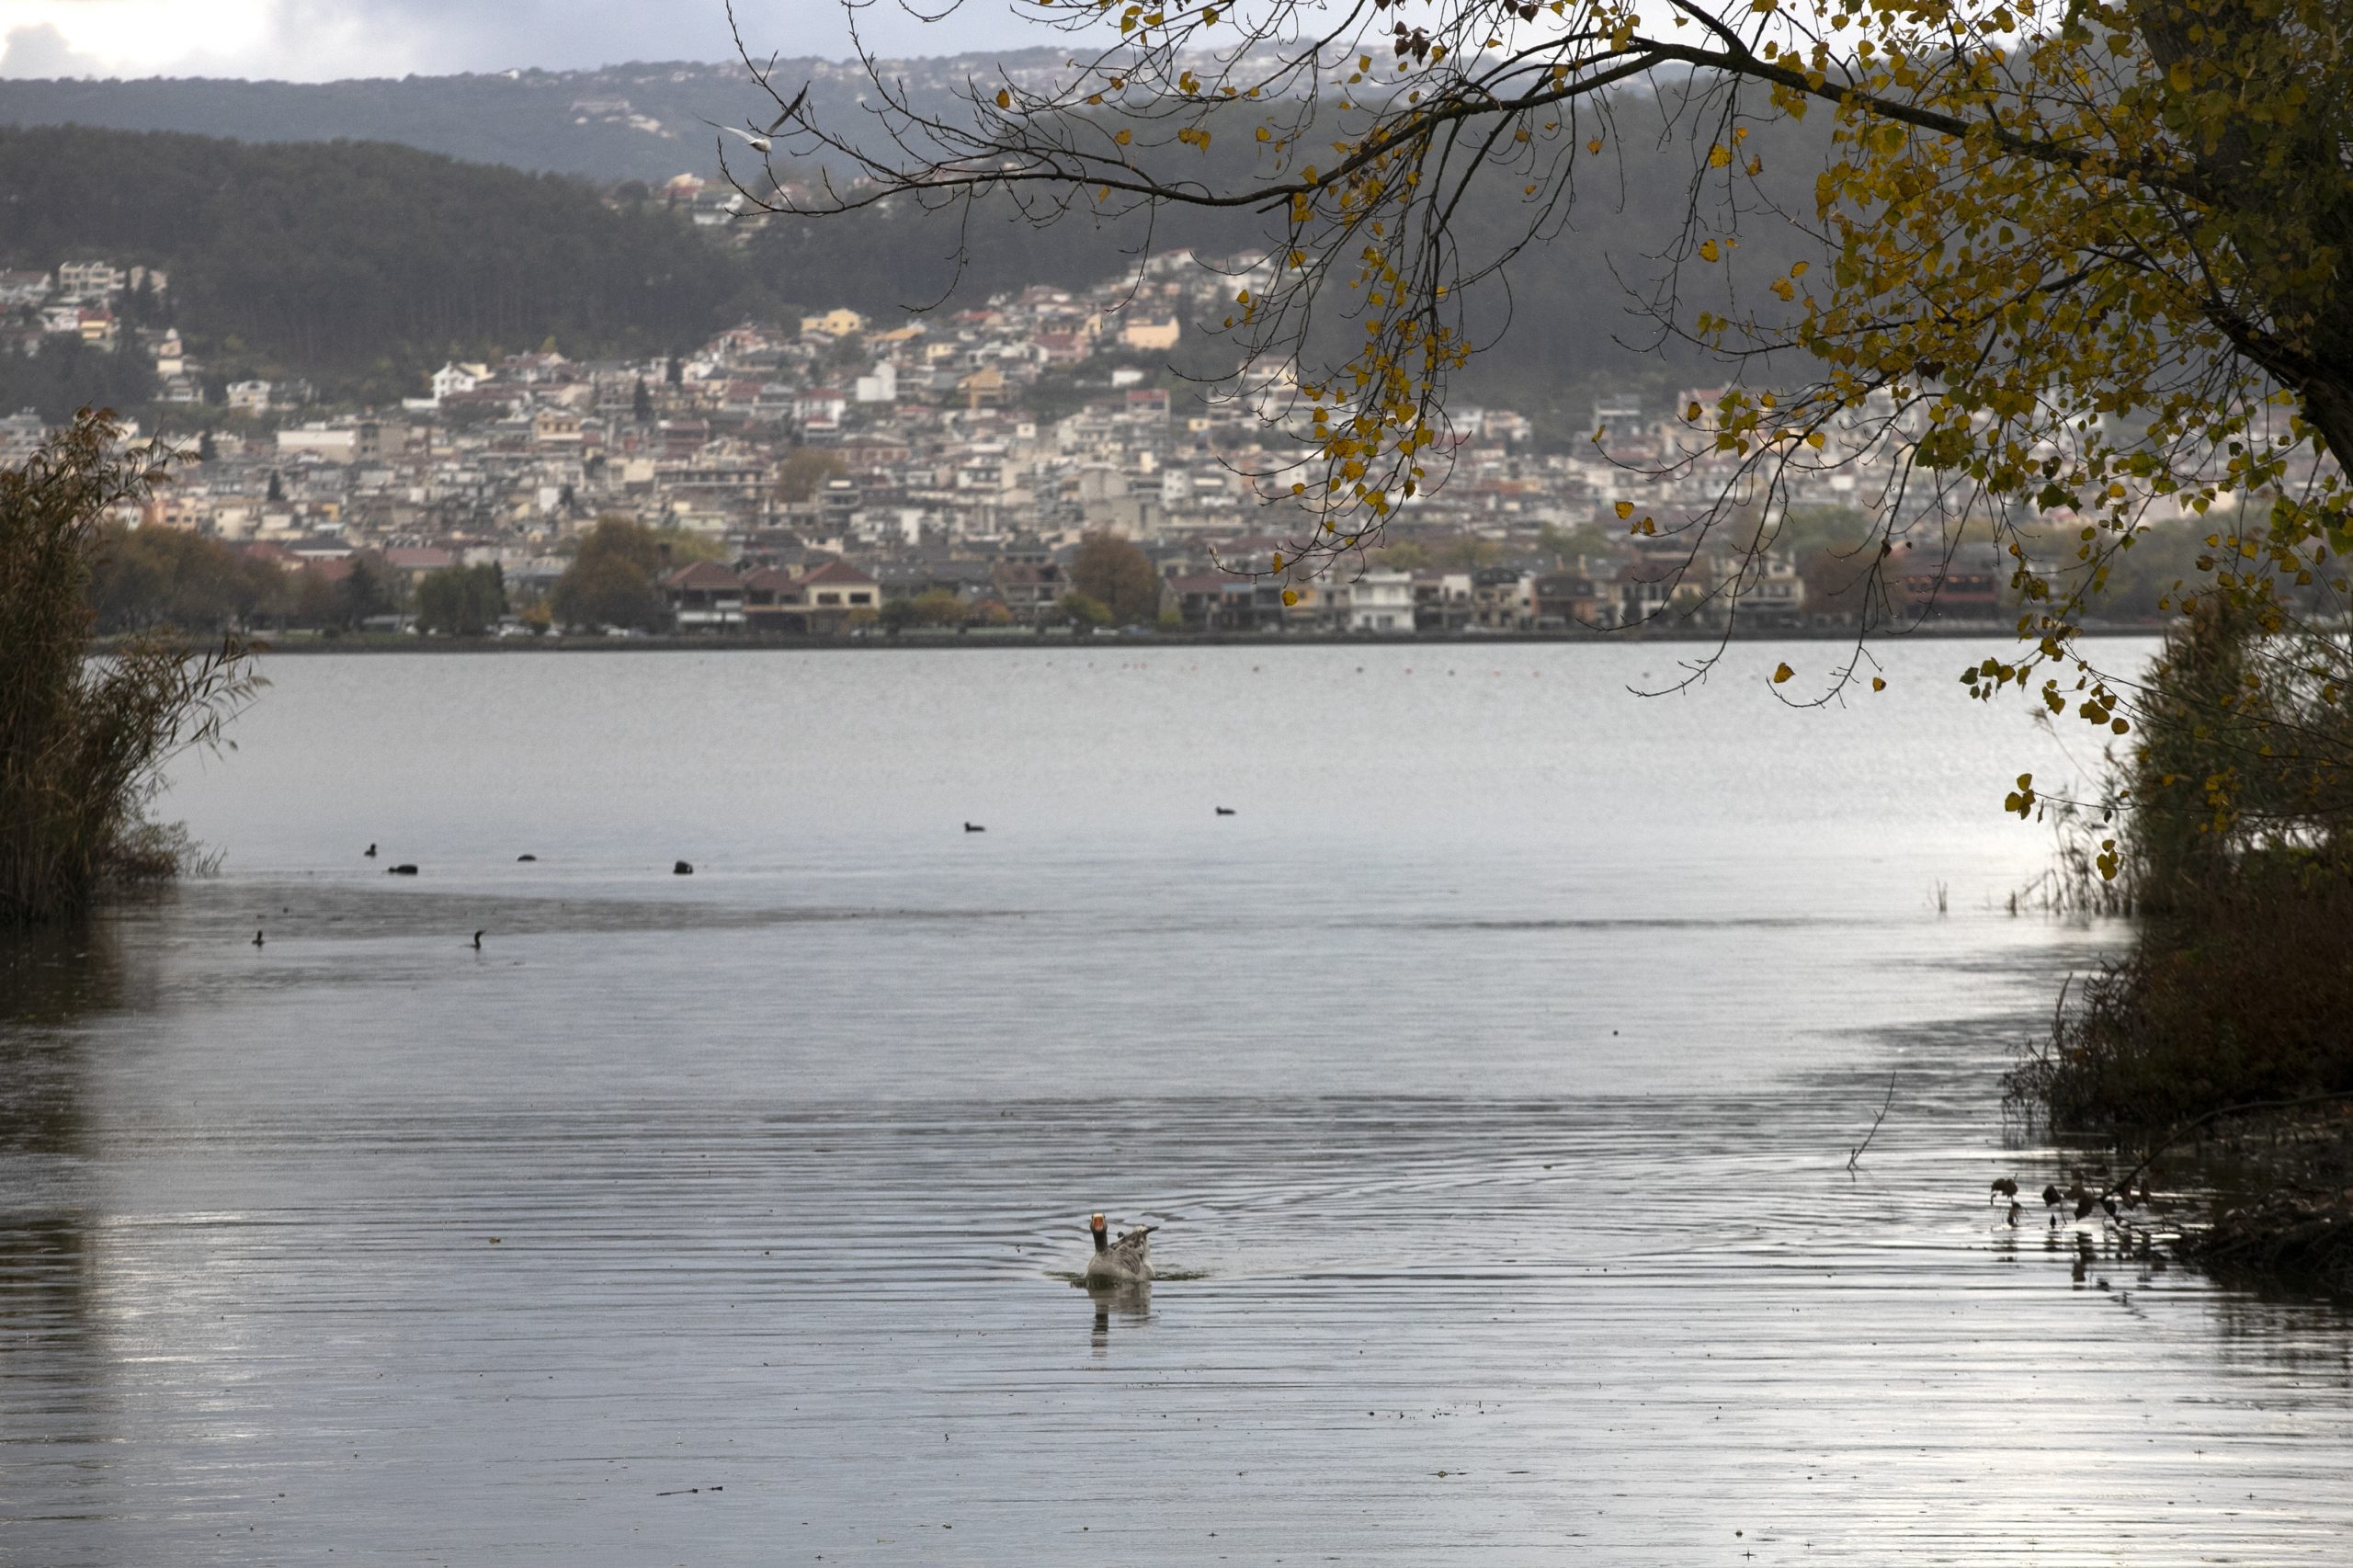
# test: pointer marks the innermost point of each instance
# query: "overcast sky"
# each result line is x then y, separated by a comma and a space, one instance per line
322, 40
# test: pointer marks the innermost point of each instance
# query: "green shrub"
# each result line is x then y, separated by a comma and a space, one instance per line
2236, 851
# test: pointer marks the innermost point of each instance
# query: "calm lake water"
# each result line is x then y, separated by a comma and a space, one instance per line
1491, 1073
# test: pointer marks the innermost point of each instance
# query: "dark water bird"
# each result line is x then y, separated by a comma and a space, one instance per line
683, 868
2006, 1187
370, 853
1127, 1261
404, 869
1224, 810
257, 939
477, 941
974, 827
521, 859
2051, 1196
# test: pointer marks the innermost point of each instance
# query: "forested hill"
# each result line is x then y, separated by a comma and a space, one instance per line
646, 121
363, 263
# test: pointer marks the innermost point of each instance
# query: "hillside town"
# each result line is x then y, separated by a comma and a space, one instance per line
810, 474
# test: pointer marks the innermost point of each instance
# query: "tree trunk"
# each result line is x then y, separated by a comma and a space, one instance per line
2328, 408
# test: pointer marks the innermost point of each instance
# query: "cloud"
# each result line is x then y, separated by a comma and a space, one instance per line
322, 40
42, 51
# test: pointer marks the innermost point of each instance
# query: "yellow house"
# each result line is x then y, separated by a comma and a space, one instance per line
834, 323
985, 388
1156, 337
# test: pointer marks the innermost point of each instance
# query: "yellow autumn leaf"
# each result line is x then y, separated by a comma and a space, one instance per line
1122, 138
1004, 99
1708, 251
1781, 673
1291, 595
1625, 510
1877, 685
1719, 156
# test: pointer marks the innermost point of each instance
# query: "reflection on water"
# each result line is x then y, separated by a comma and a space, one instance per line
1498, 1145
52, 1350
1132, 1302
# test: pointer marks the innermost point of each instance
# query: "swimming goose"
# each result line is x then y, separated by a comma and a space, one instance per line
1127, 1261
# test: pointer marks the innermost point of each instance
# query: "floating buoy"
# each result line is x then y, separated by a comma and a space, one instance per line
683, 868
400, 870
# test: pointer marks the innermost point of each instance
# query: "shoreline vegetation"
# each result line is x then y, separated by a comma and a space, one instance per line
2215, 1050
83, 738
1026, 638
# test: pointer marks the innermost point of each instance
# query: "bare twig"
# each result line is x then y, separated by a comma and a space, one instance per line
1854, 1156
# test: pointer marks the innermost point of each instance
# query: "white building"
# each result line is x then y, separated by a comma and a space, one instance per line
86, 280
249, 397
1381, 600
23, 288
454, 378
335, 446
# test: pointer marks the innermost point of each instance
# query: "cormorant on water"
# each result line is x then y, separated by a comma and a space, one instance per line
477, 941
974, 827
370, 855
257, 939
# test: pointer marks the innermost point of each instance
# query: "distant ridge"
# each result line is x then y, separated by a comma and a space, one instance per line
643, 120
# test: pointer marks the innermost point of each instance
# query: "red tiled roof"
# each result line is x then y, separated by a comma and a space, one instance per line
835, 571
702, 574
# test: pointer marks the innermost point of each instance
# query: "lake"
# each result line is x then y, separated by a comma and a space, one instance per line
1490, 1072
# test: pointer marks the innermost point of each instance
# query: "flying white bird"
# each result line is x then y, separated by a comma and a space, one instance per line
757, 143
